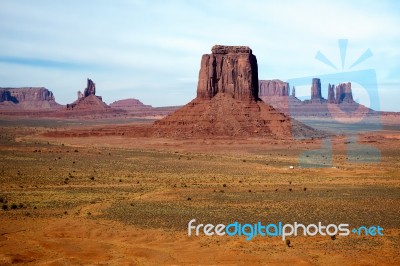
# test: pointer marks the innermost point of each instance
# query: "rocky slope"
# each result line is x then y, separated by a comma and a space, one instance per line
227, 102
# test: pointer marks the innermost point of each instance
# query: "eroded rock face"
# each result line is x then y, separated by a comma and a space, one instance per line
227, 104
88, 101
90, 88
344, 93
274, 87
316, 89
5, 96
331, 93
27, 94
231, 70
28, 97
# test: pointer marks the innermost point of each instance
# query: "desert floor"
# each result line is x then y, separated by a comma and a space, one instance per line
116, 199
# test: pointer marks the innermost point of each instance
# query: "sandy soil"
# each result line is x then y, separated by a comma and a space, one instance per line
116, 199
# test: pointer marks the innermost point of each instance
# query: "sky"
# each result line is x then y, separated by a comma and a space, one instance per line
151, 50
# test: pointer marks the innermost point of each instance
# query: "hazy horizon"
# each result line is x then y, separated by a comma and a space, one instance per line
151, 50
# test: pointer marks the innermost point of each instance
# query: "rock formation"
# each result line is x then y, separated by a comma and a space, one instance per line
274, 87
129, 104
27, 98
136, 108
231, 70
344, 93
293, 92
88, 101
331, 93
227, 102
340, 102
80, 95
90, 88
5, 96
316, 89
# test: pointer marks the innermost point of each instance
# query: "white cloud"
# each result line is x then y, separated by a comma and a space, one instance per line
147, 47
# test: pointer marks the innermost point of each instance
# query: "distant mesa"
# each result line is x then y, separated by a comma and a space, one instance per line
129, 104
340, 99
88, 101
136, 108
273, 87
227, 102
27, 98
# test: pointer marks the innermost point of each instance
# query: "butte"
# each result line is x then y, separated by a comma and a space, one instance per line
227, 103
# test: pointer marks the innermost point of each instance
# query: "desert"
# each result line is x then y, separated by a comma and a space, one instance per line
199, 133
122, 191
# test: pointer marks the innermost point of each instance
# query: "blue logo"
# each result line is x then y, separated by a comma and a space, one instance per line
348, 119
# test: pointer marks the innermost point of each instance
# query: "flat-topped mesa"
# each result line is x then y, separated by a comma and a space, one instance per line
231, 70
27, 94
273, 87
223, 49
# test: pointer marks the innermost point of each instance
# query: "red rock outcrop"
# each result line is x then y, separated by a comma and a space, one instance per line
88, 101
128, 104
27, 98
316, 89
273, 87
331, 93
231, 70
227, 102
90, 88
344, 93
340, 102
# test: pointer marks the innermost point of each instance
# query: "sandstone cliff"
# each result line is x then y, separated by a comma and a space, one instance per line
274, 87
231, 70
88, 101
344, 93
316, 89
27, 98
227, 102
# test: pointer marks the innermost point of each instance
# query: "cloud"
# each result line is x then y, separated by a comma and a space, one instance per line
144, 49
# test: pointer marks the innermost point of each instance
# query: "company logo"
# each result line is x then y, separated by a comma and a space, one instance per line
356, 120
249, 231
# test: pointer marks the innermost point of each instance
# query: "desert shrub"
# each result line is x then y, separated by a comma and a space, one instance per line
5, 207
14, 206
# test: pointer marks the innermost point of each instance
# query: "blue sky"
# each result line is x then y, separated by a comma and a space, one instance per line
151, 50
